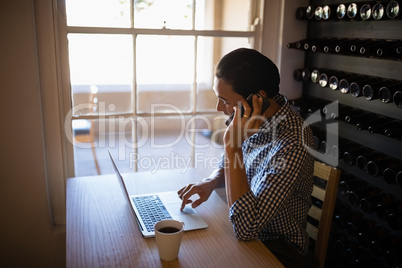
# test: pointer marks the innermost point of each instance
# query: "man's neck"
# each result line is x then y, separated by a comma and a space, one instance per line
272, 109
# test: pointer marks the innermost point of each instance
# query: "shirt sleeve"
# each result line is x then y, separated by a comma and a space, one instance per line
270, 189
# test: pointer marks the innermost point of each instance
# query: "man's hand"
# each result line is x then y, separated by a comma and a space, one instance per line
242, 128
203, 189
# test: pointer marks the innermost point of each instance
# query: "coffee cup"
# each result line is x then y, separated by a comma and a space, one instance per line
168, 234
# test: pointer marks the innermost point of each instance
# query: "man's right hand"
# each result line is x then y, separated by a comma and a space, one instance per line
203, 189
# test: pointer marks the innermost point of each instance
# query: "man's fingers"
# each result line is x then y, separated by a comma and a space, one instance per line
197, 202
246, 108
185, 193
257, 103
184, 190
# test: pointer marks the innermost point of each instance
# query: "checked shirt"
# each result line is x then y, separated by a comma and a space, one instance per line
279, 170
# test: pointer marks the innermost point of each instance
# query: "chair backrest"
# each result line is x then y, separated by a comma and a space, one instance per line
323, 216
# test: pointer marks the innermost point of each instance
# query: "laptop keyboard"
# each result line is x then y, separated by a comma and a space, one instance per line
151, 210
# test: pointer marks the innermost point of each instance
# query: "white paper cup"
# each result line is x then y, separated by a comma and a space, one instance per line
168, 234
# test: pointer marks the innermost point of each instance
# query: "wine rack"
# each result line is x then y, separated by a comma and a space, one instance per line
362, 235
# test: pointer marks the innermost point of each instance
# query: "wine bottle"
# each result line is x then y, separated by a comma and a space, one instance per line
349, 183
344, 83
301, 44
359, 117
380, 246
345, 215
315, 74
332, 45
389, 49
365, 11
363, 159
357, 256
362, 225
301, 74
384, 210
399, 178
376, 168
385, 93
349, 157
343, 111
356, 87
394, 133
370, 91
318, 137
398, 98
310, 12
393, 10
325, 75
318, 13
340, 81
395, 221
368, 262
373, 122
333, 82
341, 11
393, 257
318, 45
387, 125
327, 13
347, 47
344, 244
338, 151
355, 195
389, 174
365, 238
372, 48
312, 106
301, 13
361, 46
352, 11
378, 11
369, 204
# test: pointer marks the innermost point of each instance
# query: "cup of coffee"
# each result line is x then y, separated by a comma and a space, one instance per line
168, 234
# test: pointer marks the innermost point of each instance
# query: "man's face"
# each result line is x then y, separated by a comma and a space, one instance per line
227, 98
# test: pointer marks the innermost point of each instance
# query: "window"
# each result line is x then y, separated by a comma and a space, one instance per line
141, 74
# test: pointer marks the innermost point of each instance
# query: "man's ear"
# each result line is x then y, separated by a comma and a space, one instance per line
262, 93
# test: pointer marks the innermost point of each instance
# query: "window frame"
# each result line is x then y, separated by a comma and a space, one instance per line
254, 35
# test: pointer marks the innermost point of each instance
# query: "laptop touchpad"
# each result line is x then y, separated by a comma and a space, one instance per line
175, 209
189, 216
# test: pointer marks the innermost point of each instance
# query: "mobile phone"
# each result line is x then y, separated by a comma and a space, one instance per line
265, 105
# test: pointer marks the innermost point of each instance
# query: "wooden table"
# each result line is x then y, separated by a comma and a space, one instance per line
102, 231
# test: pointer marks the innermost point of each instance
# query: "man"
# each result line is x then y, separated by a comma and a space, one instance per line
266, 168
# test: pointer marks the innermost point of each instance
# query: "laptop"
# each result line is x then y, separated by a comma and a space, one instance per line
150, 208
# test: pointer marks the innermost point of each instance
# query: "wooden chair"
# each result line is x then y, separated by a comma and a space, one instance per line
83, 129
323, 215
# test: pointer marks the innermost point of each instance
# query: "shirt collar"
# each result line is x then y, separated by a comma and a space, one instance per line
278, 117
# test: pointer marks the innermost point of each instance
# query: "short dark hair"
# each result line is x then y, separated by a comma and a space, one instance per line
248, 71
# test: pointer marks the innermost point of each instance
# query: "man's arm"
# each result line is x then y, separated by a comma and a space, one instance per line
235, 175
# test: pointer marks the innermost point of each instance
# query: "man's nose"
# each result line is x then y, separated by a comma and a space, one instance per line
220, 107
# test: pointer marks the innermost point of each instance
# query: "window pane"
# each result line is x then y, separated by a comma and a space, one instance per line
208, 130
163, 143
165, 73
210, 52
157, 14
233, 15
114, 133
98, 13
101, 71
